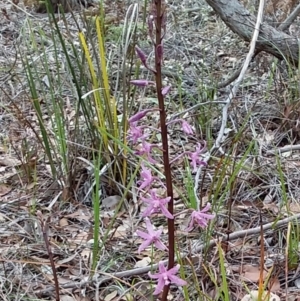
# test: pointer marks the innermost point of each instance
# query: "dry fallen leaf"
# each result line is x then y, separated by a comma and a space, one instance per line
143, 263
121, 231
267, 296
251, 273
7, 160
66, 298
63, 222
79, 298
274, 285
4, 189
80, 215
297, 282
68, 259
86, 255
111, 296
2, 217
111, 202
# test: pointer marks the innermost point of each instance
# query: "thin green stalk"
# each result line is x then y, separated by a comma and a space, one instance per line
189, 184
70, 65
35, 101
96, 210
225, 289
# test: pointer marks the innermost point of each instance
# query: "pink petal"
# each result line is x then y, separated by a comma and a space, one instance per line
176, 280
174, 270
191, 224
149, 227
159, 245
187, 128
205, 215
144, 245
206, 208
166, 213
153, 276
159, 287
162, 268
146, 176
142, 234
148, 211
144, 184
158, 233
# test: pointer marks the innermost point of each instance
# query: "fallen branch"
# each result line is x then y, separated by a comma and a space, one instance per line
197, 249
284, 149
217, 144
270, 40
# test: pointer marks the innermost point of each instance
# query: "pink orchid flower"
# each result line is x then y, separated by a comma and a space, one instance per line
156, 204
165, 277
146, 150
186, 127
135, 133
152, 237
195, 157
147, 177
200, 218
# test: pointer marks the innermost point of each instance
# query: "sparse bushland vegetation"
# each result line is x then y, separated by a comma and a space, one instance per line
90, 207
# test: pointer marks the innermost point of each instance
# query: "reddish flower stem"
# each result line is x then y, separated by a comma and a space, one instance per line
164, 134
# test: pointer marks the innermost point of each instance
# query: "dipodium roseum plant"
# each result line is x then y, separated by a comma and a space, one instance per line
138, 138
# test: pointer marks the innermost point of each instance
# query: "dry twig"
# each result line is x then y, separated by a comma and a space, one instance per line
196, 250
217, 144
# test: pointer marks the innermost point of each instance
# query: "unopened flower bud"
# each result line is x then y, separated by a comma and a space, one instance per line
142, 82
141, 55
165, 90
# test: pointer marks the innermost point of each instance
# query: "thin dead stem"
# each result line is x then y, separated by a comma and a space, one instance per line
44, 227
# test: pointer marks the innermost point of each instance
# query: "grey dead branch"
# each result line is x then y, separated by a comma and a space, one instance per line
193, 40
270, 40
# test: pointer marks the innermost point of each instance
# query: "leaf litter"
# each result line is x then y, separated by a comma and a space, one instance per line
200, 52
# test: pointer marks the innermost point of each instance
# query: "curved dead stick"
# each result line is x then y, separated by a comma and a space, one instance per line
138, 271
